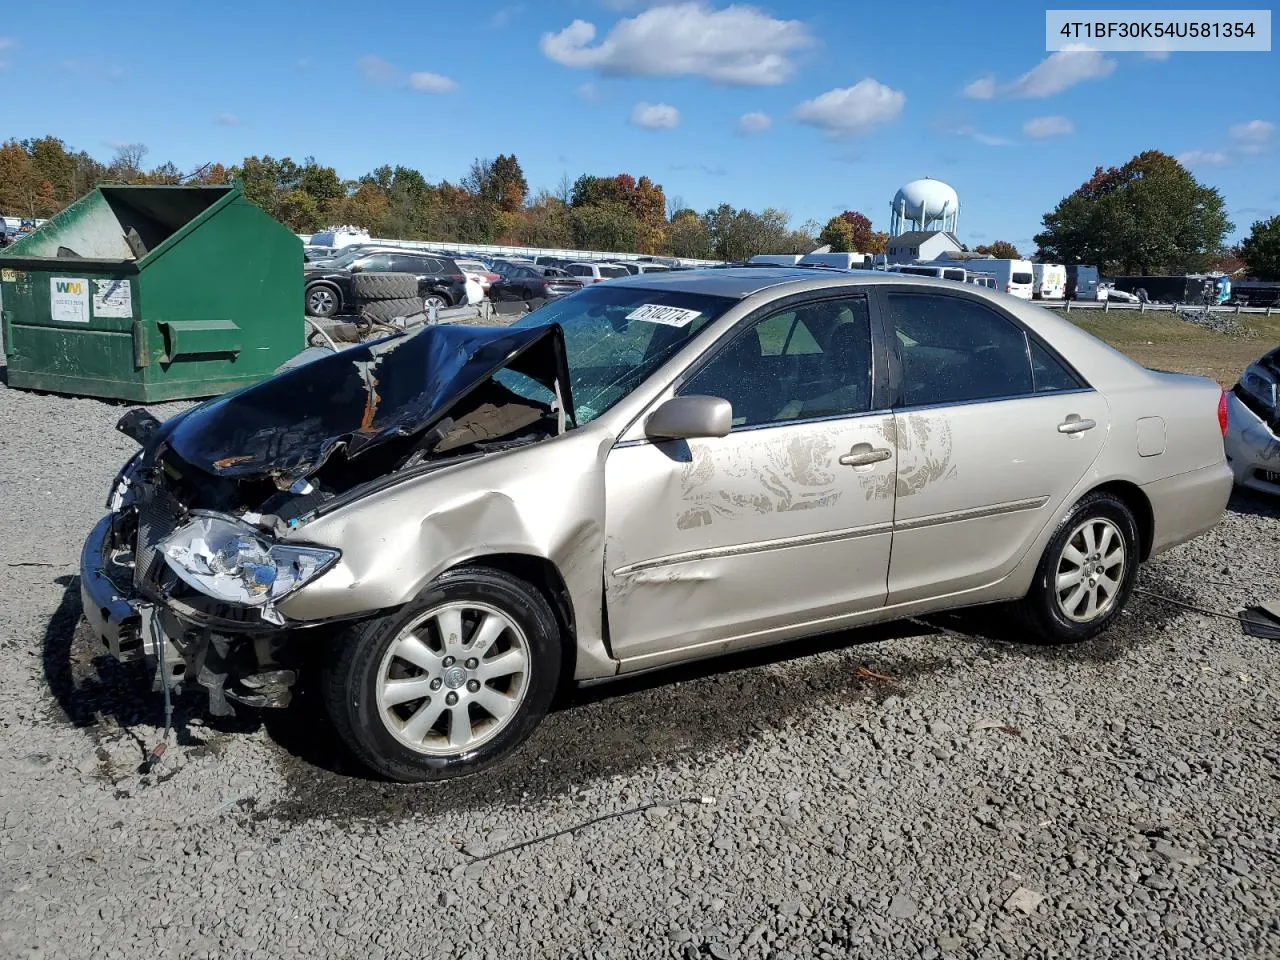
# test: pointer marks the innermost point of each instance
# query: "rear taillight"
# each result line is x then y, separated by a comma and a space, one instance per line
455, 278
1222, 413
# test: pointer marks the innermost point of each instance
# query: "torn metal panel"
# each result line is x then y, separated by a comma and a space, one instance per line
355, 399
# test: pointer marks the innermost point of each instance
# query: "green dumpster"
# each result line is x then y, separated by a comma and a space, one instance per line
151, 293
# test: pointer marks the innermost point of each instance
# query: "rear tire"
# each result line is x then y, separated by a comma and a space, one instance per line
437, 300
450, 683
384, 286
1086, 574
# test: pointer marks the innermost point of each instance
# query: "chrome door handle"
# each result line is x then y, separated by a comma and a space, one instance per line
1074, 424
863, 455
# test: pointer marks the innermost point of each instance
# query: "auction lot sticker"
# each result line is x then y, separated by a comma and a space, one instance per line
69, 300
667, 316
112, 298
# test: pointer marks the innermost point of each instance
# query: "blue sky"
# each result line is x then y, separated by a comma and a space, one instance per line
843, 102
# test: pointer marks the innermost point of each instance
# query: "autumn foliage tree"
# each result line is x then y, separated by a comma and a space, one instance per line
490, 203
1148, 216
1000, 249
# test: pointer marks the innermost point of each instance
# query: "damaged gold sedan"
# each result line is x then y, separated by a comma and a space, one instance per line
459, 522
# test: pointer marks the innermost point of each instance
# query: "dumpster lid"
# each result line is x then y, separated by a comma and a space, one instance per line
124, 225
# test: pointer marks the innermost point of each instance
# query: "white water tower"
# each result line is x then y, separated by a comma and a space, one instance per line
924, 205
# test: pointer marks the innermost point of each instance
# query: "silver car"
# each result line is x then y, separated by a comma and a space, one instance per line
1253, 417
455, 524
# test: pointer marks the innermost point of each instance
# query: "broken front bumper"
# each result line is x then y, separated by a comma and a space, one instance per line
108, 599
1253, 450
245, 667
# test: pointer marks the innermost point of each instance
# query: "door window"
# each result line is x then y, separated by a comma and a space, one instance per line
810, 361
955, 350
376, 263
1048, 371
402, 263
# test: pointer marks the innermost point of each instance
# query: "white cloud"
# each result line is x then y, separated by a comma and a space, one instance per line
431, 83
1156, 55
1253, 137
227, 120
503, 16
847, 110
589, 92
1062, 69
984, 88
1203, 158
377, 70
738, 46
1038, 128
655, 116
973, 133
754, 122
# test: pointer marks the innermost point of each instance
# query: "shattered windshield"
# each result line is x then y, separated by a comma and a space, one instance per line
616, 337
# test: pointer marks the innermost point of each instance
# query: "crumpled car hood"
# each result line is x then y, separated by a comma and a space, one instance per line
288, 425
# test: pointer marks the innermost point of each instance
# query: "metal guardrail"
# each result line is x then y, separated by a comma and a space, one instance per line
1106, 306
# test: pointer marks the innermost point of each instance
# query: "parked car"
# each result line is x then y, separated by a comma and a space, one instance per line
311, 253
590, 273
1253, 425
534, 283
1105, 291
328, 291
503, 265
460, 521
636, 267
477, 271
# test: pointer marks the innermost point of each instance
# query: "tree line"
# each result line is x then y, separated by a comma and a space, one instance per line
1149, 215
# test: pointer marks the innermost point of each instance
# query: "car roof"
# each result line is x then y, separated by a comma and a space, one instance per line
740, 282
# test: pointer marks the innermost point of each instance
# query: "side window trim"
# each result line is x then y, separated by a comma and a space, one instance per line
878, 399
894, 386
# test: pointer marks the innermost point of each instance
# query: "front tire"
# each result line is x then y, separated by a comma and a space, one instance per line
1086, 574
450, 683
322, 301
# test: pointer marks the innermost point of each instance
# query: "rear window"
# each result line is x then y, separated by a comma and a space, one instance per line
578, 270
1022, 278
953, 275
614, 272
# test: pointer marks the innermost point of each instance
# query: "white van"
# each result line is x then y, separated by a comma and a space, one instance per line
840, 261
1012, 276
1049, 281
958, 274
774, 260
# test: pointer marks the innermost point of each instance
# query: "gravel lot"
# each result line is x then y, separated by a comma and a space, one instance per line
957, 796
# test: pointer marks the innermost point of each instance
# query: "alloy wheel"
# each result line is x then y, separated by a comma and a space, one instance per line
1090, 570
453, 678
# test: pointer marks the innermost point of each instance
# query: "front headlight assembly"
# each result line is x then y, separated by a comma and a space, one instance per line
233, 562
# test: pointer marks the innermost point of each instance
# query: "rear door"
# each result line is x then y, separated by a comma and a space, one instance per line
993, 431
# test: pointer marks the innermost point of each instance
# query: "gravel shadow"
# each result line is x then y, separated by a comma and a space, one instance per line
1254, 504
93, 691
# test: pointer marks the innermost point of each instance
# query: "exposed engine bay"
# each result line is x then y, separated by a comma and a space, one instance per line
197, 516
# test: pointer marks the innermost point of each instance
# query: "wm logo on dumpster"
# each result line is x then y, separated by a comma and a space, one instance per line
73, 287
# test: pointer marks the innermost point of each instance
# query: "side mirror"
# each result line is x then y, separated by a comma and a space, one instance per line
688, 418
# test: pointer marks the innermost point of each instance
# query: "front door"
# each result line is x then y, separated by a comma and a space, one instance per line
713, 544
993, 433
